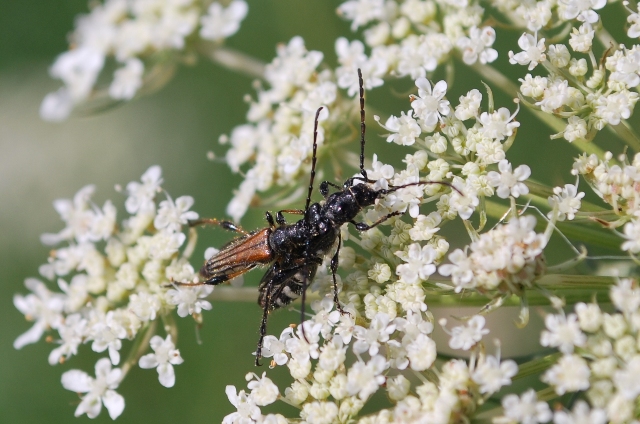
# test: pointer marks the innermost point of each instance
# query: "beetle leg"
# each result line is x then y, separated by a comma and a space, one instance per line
334, 268
361, 226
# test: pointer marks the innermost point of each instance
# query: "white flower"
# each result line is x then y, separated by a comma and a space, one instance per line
421, 352
107, 334
616, 106
589, 316
360, 12
430, 105
460, 269
419, 263
570, 374
559, 55
78, 69
582, 9
478, 45
582, 38
263, 391
189, 299
580, 414
562, 332
127, 80
464, 204
72, 333
304, 346
247, 410
576, 129
398, 387
469, 105
369, 339
626, 380
163, 245
634, 24
364, 379
332, 354
276, 347
144, 305
625, 296
221, 22
141, 195
509, 182
532, 54
171, 216
526, 409
632, 234
56, 106
466, 336
42, 306
567, 201
166, 355
405, 129
499, 124
100, 390
491, 374
319, 412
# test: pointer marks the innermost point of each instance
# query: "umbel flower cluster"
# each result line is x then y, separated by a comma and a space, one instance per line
114, 281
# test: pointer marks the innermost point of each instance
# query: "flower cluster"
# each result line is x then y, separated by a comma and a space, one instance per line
112, 281
388, 351
599, 358
144, 39
586, 92
508, 259
616, 182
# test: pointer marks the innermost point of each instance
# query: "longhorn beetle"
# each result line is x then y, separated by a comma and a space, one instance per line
293, 252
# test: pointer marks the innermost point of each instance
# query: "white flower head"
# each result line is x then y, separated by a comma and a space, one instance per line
171, 216
532, 54
526, 409
492, 375
430, 105
190, 300
509, 183
478, 46
570, 374
165, 356
562, 332
141, 195
263, 391
466, 336
364, 379
405, 129
42, 306
99, 390
222, 22
127, 80
418, 264
247, 410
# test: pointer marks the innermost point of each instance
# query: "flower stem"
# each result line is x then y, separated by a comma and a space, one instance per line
536, 366
235, 60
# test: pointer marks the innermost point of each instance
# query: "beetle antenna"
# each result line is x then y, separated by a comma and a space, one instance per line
363, 126
313, 159
444, 183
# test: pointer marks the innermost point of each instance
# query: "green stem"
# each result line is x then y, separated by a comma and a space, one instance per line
235, 60
140, 345
536, 366
626, 133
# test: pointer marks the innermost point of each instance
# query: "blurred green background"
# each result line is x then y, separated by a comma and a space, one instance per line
173, 128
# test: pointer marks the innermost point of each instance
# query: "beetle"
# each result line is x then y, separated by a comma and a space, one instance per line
294, 251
